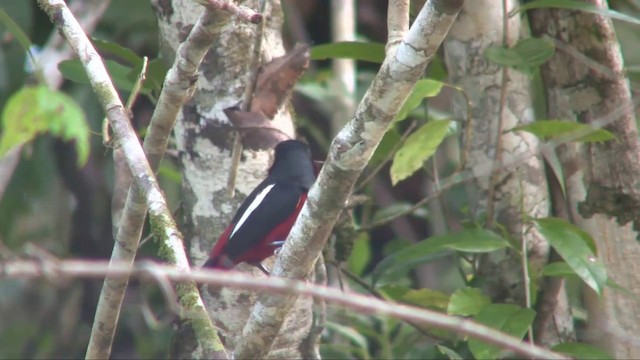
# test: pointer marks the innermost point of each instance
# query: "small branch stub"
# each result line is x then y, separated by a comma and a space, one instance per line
240, 11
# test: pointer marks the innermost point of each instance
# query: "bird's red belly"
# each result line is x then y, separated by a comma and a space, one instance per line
266, 248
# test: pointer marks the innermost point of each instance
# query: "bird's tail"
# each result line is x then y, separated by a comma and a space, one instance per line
219, 262
212, 263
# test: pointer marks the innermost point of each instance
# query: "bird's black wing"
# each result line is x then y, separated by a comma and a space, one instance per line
268, 207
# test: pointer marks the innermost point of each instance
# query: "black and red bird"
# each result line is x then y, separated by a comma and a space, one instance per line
265, 218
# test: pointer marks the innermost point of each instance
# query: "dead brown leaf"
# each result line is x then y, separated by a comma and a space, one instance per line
276, 80
258, 132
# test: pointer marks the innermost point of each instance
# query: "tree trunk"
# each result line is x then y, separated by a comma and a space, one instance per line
585, 82
204, 140
508, 173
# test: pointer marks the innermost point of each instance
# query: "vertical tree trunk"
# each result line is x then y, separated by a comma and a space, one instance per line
585, 82
506, 188
204, 139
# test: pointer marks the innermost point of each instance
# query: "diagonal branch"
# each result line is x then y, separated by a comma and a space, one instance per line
59, 270
397, 23
146, 192
349, 154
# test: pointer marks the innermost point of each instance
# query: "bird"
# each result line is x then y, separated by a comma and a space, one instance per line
264, 219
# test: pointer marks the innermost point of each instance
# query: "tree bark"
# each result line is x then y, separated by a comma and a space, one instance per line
350, 152
204, 139
585, 82
501, 100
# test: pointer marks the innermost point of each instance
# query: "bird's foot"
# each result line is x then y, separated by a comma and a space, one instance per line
262, 268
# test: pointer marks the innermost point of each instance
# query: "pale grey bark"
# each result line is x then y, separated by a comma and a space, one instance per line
177, 89
53, 269
348, 155
146, 194
501, 100
343, 84
204, 140
602, 180
499, 104
397, 23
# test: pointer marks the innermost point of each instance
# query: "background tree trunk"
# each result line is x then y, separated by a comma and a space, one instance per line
505, 188
204, 139
601, 179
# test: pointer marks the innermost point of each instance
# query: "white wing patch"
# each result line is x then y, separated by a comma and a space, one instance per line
254, 205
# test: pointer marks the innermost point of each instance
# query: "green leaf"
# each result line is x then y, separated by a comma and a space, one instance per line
578, 5
551, 157
365, 51
418, 147
467, 302
437, 70
313, 90
550, 129
35, 110
433, 248
581, 351
391, 211
525, 56
396, 265
426, 298
451, 354
394, 292
170, 173
74, 71
424, 88
360, 255
349, 333
390, 139
154, 78
508, 318
127, 55
16, 31
483, 241
577, 248
558, 268
615, 286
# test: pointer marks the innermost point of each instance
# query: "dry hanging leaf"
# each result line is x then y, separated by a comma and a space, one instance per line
276, 80
258, 132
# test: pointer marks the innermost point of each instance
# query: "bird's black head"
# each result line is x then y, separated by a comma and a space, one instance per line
292, 163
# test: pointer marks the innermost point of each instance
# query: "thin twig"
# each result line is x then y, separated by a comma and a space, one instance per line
525, 263
436, 184
146, 193
466, 143
397, 23
63, 269
343, 28
516, 161
133, 96
355, 278
252, 79
319, 313
373, 291
496, 170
